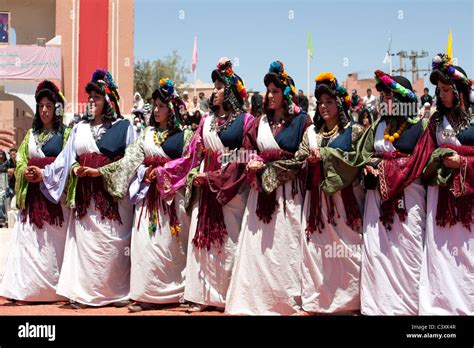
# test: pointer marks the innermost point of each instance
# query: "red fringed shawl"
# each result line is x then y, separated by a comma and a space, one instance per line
211, 229
314, 221
93, 187
267, 203
398, 171
38, 208
455, 200
153, 195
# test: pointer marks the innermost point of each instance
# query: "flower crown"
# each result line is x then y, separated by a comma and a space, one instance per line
169, 92
389, 82
104, 78
443, 62
289, 91
340, 91
225, 68
46, 84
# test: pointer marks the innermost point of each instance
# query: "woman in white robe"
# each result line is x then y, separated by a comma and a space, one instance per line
96, 266
37, 247
215, 225
447, 274
395, 204
160, 223
266, 278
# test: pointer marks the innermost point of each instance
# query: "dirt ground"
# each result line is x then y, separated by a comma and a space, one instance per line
62, 308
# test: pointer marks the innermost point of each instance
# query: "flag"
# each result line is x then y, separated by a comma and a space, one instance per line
387, 55
449, 48
310, 46
195, 55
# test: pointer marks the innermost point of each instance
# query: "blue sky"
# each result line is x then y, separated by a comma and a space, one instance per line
254, 33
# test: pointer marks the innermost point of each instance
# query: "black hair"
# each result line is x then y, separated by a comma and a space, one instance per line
318, 120
461, 89
58, 111
362, 114
173, 112
98, 88
226, 105
287, 114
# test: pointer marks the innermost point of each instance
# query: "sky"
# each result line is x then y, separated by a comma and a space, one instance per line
348, 36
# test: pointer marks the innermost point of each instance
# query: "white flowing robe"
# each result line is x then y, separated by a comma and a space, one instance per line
158, 261
36, 255
208, 272
96, 266
267, 274
447, 273
391, 260
331, 259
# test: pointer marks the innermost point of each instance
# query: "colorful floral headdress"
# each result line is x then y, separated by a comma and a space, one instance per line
224, 66
328, 79
48, 85
289, 91
174, 101
444, 63
393, 85
103, 78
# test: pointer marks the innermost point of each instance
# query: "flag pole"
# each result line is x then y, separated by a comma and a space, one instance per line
195, 80
307, 76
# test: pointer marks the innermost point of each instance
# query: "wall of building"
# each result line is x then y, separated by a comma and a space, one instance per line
31, 19
14, 112
120, 48
353, 82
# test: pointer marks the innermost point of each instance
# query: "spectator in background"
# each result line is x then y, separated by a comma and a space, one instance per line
186, 100
426, 98
356, 105
302, 100
256, 104
195, 120
425, 111
137, 102
194, 105
147, 109
11, 166
365, 118
138, 121
203, 102
3, 194
369, 101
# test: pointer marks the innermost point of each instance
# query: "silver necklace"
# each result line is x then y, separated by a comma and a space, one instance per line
215, 127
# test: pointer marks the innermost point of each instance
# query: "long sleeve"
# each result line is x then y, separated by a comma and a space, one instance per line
117, 175
21, 185
138, 188
55, 175
338, 170
281, 171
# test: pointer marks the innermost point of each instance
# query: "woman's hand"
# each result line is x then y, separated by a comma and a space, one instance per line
33, 174
314, 157
454, 161
6, 138
199, 180
92, 172
371, 170
150, 175
254, 166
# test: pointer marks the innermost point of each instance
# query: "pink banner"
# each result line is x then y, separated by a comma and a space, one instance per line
30, 62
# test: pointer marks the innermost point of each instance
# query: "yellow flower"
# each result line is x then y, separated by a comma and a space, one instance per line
325, 76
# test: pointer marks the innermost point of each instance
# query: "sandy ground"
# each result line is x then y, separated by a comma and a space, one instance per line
62, 308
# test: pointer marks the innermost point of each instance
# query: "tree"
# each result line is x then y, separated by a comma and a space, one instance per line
147, 74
